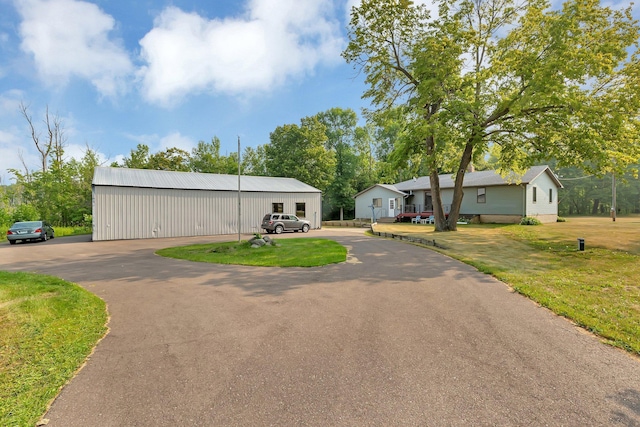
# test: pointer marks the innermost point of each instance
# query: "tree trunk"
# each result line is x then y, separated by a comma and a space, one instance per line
458, 191
341, 213
436, 199
596, 207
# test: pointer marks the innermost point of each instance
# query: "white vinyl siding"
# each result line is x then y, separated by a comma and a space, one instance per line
547, 201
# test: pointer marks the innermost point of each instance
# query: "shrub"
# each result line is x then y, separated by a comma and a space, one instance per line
527, 220
561, 219
25, 212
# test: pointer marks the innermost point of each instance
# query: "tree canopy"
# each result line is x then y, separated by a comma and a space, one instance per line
529, 81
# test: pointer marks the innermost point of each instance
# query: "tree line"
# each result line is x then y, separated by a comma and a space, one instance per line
329, 151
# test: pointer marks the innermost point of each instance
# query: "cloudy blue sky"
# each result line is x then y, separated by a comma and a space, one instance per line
168, 73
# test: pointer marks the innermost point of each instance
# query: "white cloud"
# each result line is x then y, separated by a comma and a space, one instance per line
13, 151
71, 38
274, 41
178, 141
157, 143
10, 102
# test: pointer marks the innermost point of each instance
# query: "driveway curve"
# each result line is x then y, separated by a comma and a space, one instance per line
399, 335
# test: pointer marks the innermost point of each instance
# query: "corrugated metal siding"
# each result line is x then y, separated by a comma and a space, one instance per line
141, 213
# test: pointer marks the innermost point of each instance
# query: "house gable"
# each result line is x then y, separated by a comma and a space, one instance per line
386, 200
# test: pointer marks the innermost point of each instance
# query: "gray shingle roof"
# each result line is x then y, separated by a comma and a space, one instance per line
387, 186
479, 179
125, 177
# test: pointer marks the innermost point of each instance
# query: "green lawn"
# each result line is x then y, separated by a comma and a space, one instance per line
598, 289
48, 327
289, 252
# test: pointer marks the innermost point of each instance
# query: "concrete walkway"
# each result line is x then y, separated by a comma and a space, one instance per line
399, 335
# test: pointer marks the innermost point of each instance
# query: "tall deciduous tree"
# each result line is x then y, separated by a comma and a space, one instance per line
534, 81
170, 159
207, 158
299, 152
54, 140
253, 161
138, 159
340, 128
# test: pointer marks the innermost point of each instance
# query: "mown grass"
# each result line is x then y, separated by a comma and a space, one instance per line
290, 252
598, 289
48, 327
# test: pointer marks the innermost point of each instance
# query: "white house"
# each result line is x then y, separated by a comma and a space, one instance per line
142, 203
487, 195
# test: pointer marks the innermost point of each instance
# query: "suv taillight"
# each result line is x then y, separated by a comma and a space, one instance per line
9, 232
38, 230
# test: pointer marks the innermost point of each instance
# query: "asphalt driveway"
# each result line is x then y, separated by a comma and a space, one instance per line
399, 335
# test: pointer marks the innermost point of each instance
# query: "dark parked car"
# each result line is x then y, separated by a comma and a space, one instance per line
277, 223
30, 230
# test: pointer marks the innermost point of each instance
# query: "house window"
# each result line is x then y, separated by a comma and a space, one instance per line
301, 210
277, 207
551, 195
482, 195
535, 194
377, 203
392, 204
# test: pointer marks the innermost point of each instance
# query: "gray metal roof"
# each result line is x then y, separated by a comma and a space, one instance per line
147, 178
479, 179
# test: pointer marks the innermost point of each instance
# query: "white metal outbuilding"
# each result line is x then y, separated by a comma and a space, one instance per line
142, 203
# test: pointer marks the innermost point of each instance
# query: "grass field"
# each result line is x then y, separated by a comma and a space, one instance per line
290, 252
598, 289
48, 327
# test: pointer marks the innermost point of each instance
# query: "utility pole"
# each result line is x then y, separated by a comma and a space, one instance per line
239, 215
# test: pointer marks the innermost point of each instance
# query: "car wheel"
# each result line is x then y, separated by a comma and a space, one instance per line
279, 229
12, 242
305, 228
44, 238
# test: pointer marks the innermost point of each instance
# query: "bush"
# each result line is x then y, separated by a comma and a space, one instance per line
25, 212
561, 219
527, 220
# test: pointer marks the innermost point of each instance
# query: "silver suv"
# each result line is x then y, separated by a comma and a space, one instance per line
277, 223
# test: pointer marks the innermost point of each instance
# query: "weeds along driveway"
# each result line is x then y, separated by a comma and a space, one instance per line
399, 335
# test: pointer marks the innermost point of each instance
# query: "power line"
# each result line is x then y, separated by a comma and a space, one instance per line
573, 179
